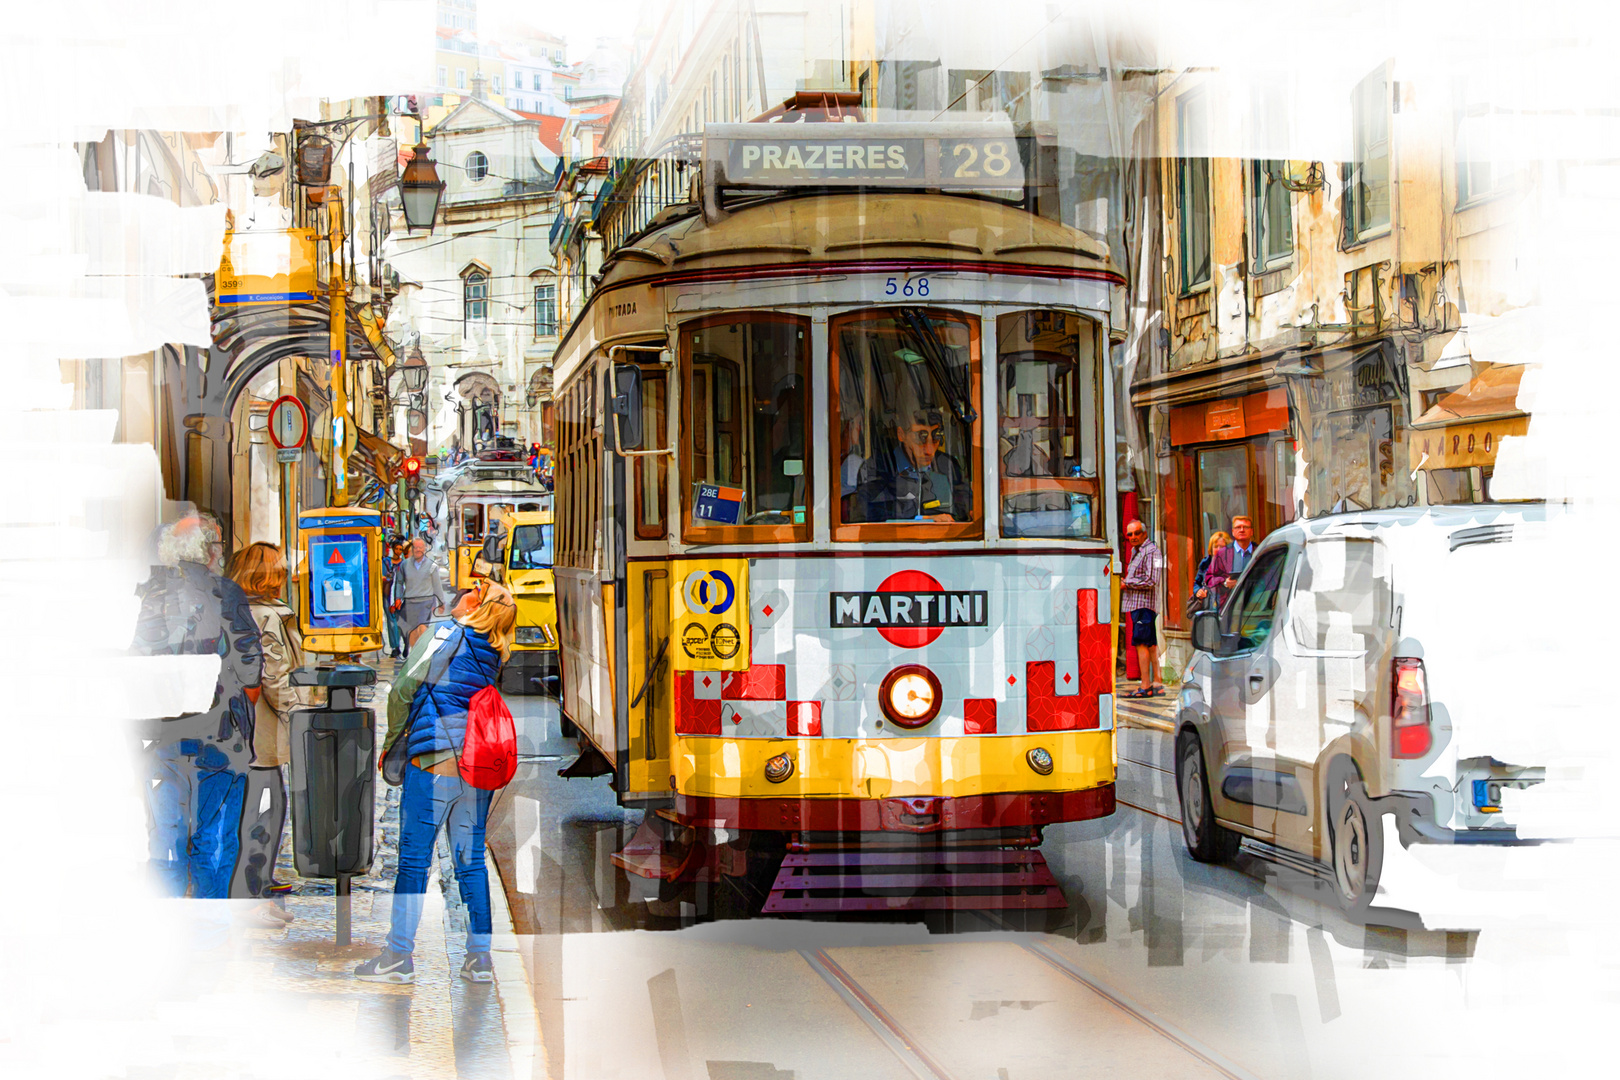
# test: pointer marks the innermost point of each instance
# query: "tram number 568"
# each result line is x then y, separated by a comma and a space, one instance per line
908, 287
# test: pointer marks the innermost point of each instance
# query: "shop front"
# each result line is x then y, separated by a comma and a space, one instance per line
1352, 416
1229, 457
1453, 445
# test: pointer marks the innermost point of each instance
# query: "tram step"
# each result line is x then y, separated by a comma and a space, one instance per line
853, 879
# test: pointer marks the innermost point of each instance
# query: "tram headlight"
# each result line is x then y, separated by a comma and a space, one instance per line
910, 696
1040, 760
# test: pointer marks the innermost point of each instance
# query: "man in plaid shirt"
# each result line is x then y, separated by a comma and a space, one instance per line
1139, 592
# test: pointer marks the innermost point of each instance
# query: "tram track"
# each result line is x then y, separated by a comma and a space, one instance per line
882, 1023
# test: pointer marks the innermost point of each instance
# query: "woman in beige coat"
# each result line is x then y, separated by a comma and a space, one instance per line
261, 571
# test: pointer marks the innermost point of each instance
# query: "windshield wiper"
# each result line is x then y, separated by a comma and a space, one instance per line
937, 360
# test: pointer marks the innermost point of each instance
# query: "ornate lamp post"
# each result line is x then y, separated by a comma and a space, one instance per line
420, 190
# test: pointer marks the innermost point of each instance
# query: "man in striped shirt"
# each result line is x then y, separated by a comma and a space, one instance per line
1139, 591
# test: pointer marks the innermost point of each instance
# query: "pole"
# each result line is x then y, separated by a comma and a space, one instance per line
289, 515
343, 909
337, 297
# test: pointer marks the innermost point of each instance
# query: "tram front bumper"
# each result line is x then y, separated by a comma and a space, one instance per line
947, 767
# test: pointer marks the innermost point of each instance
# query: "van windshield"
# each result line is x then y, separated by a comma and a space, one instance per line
531, 547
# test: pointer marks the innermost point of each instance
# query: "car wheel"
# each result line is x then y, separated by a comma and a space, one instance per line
1207, 841
1358, 849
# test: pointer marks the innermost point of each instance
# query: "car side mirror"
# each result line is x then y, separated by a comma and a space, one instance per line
624, 408
1206, 632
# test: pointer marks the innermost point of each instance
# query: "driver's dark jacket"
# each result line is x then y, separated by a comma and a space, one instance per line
890, 488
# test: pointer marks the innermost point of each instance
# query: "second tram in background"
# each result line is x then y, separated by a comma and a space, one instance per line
834, 530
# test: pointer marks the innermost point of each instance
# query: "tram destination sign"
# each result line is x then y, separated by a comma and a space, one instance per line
910, 156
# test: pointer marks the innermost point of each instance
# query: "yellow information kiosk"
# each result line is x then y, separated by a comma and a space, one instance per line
340, 608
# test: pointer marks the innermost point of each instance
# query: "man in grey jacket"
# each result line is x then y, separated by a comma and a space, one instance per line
418, 590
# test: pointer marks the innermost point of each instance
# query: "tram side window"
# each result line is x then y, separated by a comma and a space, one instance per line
472, 523
746, 427
1048, 445
652, 473
907, 425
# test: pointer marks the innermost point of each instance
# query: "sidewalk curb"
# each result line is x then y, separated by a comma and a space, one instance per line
525, 1047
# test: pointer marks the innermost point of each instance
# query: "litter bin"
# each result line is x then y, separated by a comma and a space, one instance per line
334, 768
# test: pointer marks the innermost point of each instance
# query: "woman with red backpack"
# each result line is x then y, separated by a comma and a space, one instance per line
429, 709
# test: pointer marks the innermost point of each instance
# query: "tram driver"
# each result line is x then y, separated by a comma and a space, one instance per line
915, 480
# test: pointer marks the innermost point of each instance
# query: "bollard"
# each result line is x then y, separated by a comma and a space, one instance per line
333, 772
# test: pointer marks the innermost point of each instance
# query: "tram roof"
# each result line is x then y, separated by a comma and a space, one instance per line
853, 227
496, 487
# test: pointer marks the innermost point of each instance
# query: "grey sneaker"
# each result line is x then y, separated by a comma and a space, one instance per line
387, 966
477, 968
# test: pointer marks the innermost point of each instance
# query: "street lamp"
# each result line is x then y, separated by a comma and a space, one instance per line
420, 190
414, 372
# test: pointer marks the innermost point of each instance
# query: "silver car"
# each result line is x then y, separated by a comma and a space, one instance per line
1375, 664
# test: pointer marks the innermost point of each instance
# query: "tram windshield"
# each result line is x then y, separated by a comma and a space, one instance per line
745, 425
531, 547
907, 426
1047, 383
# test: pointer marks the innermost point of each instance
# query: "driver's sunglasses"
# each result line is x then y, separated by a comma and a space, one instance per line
932, 435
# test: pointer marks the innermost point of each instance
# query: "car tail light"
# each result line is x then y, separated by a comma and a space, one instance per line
1410, 736
910, 696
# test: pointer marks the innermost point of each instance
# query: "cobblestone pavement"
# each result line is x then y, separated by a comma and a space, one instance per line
316, 1019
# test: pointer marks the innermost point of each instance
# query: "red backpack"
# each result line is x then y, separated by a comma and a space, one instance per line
489, 754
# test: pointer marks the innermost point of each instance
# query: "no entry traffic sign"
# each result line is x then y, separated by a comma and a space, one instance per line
289, 423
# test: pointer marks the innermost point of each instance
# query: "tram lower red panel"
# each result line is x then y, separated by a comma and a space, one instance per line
910, 814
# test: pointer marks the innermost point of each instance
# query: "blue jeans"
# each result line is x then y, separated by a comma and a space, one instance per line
394, 636
195, 811
427, 803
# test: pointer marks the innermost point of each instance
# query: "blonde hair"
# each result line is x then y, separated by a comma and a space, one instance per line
1217, 540
259, 569
495, 616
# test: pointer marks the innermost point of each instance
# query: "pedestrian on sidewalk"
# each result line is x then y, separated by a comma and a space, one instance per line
428, 707
1227, 564
390, 559
1207, 597
260, 570
419, 590
1139, 600
196, 764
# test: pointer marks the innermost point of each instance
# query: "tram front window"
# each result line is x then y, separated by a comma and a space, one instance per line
531, 547
745, 428
472, 523
1048, 440
905, 384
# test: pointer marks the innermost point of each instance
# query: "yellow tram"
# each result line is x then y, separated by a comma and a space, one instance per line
528, 556
834, 523
468, 501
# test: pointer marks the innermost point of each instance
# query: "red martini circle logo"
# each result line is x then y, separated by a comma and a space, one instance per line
909, 584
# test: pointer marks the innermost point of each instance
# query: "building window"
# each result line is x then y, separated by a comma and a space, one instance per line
909, 84
1192, 189
545, 310
461, 78
495, 84
1271, 213
1480, 170
517, 104
475, 296
990, 91
1366, 180
477, 166
444, 77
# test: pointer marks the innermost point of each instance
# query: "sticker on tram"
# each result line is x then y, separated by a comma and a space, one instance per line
721, 505
710, 610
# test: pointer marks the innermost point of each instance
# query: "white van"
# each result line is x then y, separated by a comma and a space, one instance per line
1371, 664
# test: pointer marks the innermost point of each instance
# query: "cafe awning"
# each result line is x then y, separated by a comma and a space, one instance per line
1465, 428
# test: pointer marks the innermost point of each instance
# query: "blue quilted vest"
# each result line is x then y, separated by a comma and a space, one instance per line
463, 664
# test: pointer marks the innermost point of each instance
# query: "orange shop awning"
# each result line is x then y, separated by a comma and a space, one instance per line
1465, 428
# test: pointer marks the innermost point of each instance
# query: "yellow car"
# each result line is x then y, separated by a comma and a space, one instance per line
534, 660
